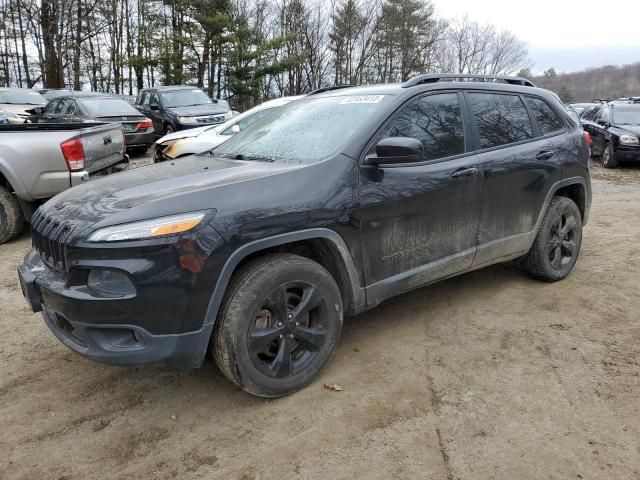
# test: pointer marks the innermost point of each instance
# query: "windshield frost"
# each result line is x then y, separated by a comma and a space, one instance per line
184, 98
303, 131
626, 116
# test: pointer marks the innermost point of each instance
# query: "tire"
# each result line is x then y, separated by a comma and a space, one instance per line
608, 157
168, 128
157, 154
557, 245
263, 341
11, 217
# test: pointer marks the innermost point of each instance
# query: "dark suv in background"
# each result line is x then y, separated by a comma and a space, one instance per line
614, 128
173, 108
324, 208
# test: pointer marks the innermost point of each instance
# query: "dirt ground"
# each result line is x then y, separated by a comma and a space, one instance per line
490, 375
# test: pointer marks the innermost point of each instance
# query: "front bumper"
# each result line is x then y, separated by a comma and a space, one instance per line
149, 326
627, 153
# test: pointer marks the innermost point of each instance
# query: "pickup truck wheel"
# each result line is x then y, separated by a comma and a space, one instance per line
11, 218
608, 157
279, 324
557, 245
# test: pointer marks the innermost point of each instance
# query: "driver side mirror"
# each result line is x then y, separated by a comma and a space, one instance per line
396, 150
603, 123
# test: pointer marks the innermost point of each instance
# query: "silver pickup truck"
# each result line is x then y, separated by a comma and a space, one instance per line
38, 161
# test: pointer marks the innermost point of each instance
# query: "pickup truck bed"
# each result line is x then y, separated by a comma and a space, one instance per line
34, 165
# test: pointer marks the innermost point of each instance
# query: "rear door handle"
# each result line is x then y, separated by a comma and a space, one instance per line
544, 155
465, 172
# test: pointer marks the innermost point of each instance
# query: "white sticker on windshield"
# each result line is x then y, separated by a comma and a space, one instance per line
362, 99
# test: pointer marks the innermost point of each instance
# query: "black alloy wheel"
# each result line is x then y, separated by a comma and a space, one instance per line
557, 244
279, 324
289, 330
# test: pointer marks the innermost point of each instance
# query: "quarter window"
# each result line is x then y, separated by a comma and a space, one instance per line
501, 119
547, 118
435, 120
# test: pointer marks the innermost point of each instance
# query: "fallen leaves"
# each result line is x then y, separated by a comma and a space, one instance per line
333, 387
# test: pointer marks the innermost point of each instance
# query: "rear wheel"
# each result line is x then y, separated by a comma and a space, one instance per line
608, 157
555, 250
11, 218
279, 324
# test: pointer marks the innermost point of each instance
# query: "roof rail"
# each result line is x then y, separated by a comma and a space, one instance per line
461, 77
328, 89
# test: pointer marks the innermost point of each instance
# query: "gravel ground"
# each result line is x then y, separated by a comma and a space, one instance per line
490, 375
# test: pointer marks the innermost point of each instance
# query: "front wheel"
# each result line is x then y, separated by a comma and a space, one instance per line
608, 157
279, 324
555, 250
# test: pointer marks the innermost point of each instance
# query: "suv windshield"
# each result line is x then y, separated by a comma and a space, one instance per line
626, 115
108, 106
184, 98
22, 98
304, 131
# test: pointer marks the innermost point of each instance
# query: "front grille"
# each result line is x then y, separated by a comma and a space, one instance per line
49, 237
211, 119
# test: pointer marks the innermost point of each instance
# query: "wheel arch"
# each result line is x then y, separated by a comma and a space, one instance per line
319, 244
577, 193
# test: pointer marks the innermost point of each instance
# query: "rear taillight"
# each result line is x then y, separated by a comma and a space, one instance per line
73, 153
145, 124
587, 137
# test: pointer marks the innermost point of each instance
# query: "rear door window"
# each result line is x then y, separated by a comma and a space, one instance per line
546, 117
435, 120
501, 119
604, 115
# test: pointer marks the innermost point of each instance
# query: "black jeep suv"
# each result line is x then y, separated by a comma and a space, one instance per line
325, 208
614, 128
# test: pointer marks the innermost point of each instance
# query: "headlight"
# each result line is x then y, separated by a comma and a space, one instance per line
158, 227
187, 120
629, 139
9, 114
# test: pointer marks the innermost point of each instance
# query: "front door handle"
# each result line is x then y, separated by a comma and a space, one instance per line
544, 155
465, 172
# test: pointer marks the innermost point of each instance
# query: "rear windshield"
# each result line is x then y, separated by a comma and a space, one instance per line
22, 98
304, 131
104, 107
626, 115
185, 98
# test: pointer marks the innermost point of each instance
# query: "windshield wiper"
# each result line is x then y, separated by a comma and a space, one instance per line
256, 158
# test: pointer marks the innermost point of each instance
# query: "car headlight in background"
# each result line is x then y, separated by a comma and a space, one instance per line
629, 139
157, 227
187, 120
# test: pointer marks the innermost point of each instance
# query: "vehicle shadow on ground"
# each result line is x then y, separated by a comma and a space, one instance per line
136, 385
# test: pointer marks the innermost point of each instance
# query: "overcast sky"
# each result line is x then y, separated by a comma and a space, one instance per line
569, 35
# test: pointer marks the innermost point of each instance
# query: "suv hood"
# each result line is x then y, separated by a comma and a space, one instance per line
196, 110
157, 190
629, 129
191, 132
18, 108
